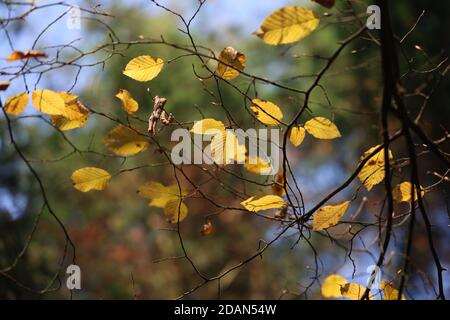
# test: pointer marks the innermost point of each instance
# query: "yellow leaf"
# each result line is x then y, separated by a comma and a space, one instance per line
159, 194
90, 178
259, 203
128, 103
225, 148
372, 172
16, 104
50, 102
322, 128
202, 126
389, 291
354, 291
175, 210
331, 287
278, 186
124, 141
143, 68
76, 107
329, 216
20, 55
287, 25
257, 165
296, 135
266, 112
230, 57
402, 192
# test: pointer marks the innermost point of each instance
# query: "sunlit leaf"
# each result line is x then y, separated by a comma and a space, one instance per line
278, 186
372, 172
230, 57
175, 210
389, 291
143, 68
128, 103
287, 25
16, 104
402, 192
225, 148
322, 128
259, 203
21, 55
329, 216
124, 141
296, 135
331, 287
202, 126
159, 194
50, 102
267, 112
90, 178
354, 291
71, 101
258, 165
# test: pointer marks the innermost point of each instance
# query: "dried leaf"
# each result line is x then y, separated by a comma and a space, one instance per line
20, 55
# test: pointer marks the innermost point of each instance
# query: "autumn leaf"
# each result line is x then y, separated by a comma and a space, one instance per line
124, 141
402, 192
354, 291
175, 210
331, 287
296, 135
71, 101
21, 55
287, 25
212, 125
50, 102
225, 148
207, 229
90, 178
143, 68
372, 172
257, 165
389, 291
159, 194
16, 104
259, 203
329, 216
230, 57
326, 3
267, 112
128, 103
322, 128
278, 186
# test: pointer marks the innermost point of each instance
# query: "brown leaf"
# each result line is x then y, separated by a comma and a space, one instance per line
20, 55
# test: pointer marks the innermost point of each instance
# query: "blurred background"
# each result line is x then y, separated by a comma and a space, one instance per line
121, 242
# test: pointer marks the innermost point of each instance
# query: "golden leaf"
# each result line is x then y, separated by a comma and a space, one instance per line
175, 210
296, 135
16, 104
76, 107
278, 186
257, 165
322, 128
225, 148
124, 141
20, 55
259, 203
128, 103
329, 216
230, 57
50, 102
90, 178
354, 291
331, 287
372, 172
287, 25
402, 192
159, 194
143, 68
267, 112
212, 125
389, 291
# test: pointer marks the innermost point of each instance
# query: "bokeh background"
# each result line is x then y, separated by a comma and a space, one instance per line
119, 239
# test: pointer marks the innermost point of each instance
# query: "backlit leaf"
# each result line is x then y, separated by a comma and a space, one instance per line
202, 126
267, 112
71, 101
331, 287
258, 165
230, 57
287, 25
20, 55
354, 291
329, 216
50, 102
389, 291
259, 203
128, 103
322, 128
16, 104
124, 141
143, 68
225, 148
402, 192
175, 210
373, 171
296, 135
90, 178
159, 194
